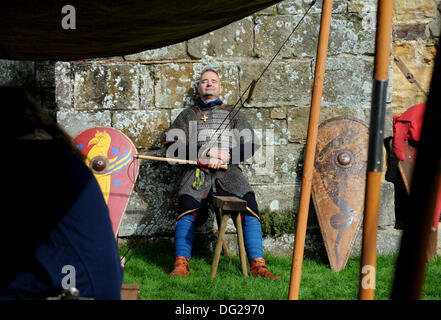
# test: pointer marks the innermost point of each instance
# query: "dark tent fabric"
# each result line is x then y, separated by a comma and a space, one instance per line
33, 30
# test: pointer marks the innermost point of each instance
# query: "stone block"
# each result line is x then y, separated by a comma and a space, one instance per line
109, 86
15, 73
174, 85
284, 83
45, 74
413, 53
269, 130
144, 127
63, 85
278, 113
407, 94
435, 28
406, 11
362, 6
409, 31
146, 87
419, 59
300, 6
272, 31
172, 52
348, 83
281, 246
388, 242
74, 121
233, 40
421, 72
388, 122
277, 196
352, 34
275, 165
298, 119
386, 217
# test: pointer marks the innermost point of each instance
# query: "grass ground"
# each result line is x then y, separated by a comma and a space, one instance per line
149, 267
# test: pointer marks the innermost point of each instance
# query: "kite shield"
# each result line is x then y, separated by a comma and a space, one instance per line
338, 185
110, 156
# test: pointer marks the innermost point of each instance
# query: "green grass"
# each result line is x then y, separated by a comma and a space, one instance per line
149, 267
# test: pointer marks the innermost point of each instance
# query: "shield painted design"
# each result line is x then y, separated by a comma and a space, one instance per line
338, 185
110, 156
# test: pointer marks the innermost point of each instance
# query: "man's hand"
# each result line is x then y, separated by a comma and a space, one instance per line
214, 163
223, 155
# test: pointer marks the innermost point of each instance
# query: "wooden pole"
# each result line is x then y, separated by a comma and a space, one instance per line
411, 263
311, 142
375, 152
174, 160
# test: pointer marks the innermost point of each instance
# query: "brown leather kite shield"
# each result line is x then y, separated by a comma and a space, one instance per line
338, 184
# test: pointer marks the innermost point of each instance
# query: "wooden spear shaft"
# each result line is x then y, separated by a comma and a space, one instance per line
174, 160
375, 151
311, 142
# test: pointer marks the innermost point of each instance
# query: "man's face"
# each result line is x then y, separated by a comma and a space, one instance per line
209, 87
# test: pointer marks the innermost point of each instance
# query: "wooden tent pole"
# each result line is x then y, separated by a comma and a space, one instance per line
311, 142
375, 152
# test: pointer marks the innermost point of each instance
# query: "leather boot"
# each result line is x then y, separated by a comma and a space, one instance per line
181, 267
258, 268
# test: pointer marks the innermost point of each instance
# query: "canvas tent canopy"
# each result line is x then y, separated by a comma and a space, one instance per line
34, 30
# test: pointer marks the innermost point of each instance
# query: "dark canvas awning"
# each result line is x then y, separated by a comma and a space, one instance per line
32, 30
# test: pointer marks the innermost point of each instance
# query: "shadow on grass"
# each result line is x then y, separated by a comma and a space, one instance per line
161, 253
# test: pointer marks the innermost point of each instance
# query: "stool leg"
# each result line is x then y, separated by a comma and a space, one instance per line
220, 240
225, 248
242, 253
224, 243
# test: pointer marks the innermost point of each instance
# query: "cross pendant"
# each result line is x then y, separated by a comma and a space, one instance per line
204, 117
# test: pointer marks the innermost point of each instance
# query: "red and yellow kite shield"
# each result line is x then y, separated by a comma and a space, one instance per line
110, 156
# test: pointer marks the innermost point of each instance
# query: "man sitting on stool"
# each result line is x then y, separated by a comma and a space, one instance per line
231, 141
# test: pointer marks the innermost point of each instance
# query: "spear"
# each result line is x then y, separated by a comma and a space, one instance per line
311, 142
181, 161
375, 151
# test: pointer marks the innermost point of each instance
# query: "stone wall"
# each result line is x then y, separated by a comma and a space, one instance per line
416, 31
142, 93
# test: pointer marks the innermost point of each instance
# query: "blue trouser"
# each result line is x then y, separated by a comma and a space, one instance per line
252, 233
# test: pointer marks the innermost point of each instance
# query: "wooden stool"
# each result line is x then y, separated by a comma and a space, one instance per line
130, 291
231, 204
